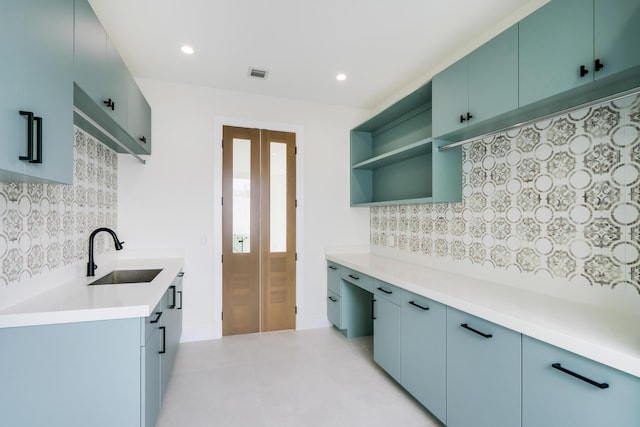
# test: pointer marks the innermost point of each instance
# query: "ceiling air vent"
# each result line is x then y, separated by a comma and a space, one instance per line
258, 73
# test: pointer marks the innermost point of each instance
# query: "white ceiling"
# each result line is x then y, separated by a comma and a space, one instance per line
384, 46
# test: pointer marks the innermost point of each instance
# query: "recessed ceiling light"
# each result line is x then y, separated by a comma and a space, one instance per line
187, 49
341, 77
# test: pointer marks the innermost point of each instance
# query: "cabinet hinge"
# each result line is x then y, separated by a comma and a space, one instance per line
222, 201
222, 315
296, 203
296, 256
221, 258
296, 309
295, 150
222, 143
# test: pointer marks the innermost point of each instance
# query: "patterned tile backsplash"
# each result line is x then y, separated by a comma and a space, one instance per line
44, 227
559, 198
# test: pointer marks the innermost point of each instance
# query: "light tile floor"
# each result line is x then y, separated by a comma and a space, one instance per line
286, 379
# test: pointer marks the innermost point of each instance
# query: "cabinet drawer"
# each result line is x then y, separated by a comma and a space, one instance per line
334, 309
357, 278
333, 277
387, 291
560, 388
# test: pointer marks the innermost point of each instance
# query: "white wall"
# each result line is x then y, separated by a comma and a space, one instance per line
174, 200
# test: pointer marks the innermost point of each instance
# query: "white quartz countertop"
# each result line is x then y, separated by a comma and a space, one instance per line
75, 301
597, 333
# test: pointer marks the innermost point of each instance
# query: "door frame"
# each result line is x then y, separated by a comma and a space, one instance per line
219, 122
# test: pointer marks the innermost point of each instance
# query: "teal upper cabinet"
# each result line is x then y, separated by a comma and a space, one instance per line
600, 42
36, 78
480, 86
616, 36
555, 42
394, 159
105, 90
561, 389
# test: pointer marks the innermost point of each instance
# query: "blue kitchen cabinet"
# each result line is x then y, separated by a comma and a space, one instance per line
386, 328
423, 352
562, 389
172, 332
152, 356
616, 36
333, 277
478, 87
483, 373
37, 79
104, 88
556, 57
72, 375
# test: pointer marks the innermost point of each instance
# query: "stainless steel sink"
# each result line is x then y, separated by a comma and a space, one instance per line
117, 277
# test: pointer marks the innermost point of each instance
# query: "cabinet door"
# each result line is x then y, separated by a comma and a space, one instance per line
450, 98
554, 398
386, 336
493, 77
554, 42
423, 352
90, 54
334, 309
616, 35
483, 373
37, 46
118, 77
138, 116
152, 378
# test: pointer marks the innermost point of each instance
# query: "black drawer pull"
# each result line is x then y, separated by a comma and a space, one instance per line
462, 119
29, 117
332, 299
164, 340
143, 139
413, 303
373, 317
580, 377
385, 291
466, 326
333, 267
180, 293
354, 277
173, 299
598, 65
583, 71
158, 316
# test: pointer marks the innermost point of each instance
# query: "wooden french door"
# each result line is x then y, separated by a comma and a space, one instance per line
258, 231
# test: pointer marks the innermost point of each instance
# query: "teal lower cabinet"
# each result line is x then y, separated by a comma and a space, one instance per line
483, 373
349, 301
562, 389
334, 309
100, 374
386, 328
333, 277
72, 375
423, 352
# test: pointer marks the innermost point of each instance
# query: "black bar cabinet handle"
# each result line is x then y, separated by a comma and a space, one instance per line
29, 116
158, 316
469, 116
413, 303
373, 317
462, 119
466, 326
354, 277
332, 299
173, 303
180, 308
580, 377
143, 139
38, 158
385, 291
164, 340
181, 274
598, 65
333, 267
583, 71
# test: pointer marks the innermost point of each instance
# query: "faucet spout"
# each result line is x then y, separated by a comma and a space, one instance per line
91, 266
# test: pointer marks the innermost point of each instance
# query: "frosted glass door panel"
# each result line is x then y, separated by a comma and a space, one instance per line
278, 197
241, 195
